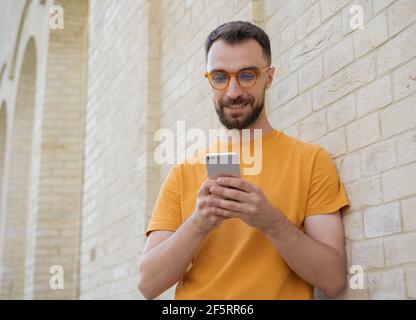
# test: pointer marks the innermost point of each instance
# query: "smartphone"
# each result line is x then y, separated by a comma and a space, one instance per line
226, 164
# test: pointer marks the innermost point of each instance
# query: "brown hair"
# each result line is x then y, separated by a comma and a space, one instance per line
238, 31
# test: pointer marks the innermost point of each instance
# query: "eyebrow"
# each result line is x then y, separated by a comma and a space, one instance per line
252, 67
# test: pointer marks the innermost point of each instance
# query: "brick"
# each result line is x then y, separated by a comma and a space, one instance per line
400, 248
388, 284
310, 74
286, 14
271, 6
373, 35
293, 111
363, 132
287, 38
344, 81
404, 79
411, 282
333, 60
409, 214
364, 193
119, 272
281, 64
379, 5
406, 146
398, 117
314, 126
284, 91
400, 182
376, 95
341, 112
353, 225
307, 22
396, 51
378, 157
401, 14
349, 16
334, 143
349, 168
368, 253
382, 220
330, 7
322, 38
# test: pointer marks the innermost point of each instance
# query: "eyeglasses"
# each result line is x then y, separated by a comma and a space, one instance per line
246, 78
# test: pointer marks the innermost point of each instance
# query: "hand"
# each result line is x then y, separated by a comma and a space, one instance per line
204, 216
247, 202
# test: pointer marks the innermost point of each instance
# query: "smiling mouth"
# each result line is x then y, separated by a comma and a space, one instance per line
237, 106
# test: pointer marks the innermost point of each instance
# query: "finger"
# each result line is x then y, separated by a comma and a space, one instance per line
227, 204
225, 214
236, 183
204, 190
233, 194
202, 203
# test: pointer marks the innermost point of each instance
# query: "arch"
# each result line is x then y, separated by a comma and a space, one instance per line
19, 34
15, 214
3, 68
3, 137
59, 200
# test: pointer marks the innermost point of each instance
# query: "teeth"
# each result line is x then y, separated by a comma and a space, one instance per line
237, 106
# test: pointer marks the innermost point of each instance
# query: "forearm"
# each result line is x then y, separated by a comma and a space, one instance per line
317, 263
164, 265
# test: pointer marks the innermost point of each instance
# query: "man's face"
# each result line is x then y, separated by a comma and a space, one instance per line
238, 107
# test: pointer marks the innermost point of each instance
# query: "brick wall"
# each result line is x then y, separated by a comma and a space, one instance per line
116, 148
352, 91
3, 130
55, 240
14, 222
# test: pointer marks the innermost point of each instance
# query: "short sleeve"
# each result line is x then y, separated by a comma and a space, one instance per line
166, 214
326, 192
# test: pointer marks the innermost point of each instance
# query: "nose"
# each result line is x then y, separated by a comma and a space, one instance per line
234, 90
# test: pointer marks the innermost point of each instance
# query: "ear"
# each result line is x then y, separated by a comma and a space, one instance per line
270, 77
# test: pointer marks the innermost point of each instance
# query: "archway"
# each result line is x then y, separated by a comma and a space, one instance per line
3, 135
16, 206
55, 239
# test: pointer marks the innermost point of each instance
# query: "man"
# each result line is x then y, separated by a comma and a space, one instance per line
274, 235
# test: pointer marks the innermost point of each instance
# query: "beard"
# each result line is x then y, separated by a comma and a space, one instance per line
239, 120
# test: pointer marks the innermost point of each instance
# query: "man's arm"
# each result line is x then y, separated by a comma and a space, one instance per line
167, 254
166, 257
317, 255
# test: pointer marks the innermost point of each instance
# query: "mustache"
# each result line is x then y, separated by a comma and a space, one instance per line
238, 100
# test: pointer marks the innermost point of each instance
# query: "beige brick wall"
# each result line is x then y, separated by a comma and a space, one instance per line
58, 216
120, 117
362, 84
14, 222
93, 178
3, 130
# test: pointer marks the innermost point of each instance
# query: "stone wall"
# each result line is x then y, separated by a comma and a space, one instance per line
80, 108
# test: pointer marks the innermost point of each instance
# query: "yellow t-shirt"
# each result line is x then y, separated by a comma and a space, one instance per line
236, 261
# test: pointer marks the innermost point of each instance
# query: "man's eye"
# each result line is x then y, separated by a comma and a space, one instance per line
219, 76
247, 75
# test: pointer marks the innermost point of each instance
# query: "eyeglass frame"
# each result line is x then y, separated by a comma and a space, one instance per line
230, 75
